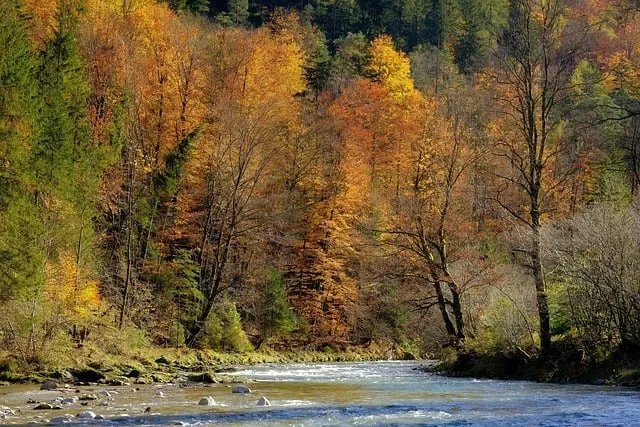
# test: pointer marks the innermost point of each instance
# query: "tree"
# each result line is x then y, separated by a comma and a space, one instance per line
275, 317
19, 105
535, 61
221, 198
596, 253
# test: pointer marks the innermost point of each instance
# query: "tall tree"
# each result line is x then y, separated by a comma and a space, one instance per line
18, 130
535, 60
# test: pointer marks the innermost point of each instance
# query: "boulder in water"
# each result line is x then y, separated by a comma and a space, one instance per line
203, 377
64, 419
69, 400
207, 401
263, 401
5, 410
88, 375
243, 389
90, 396
44, 406
49, 385
87, 415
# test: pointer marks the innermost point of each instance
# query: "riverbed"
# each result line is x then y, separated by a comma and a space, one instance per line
335, 394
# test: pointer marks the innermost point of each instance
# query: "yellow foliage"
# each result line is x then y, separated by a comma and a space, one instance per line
273, 72
390, 68
75, 296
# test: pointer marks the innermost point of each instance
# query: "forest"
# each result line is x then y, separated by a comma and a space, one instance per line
319, 175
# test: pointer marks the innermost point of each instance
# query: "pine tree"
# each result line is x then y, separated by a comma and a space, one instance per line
19, 263
64, 93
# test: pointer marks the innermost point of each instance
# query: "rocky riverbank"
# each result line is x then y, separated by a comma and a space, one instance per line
167, 365
174, 381
566, 364
57, 403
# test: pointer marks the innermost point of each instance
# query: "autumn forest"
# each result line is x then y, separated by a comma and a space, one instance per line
406, 176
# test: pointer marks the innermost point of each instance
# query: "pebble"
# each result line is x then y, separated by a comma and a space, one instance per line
105, 393
159, 393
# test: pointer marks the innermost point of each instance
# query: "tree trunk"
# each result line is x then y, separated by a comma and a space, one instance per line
442, 305
541, 294
456, 306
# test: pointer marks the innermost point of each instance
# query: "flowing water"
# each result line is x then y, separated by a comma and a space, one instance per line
367, 393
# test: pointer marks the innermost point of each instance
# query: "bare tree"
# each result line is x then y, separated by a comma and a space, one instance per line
598, 254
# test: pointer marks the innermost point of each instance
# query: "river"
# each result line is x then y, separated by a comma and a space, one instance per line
366, 393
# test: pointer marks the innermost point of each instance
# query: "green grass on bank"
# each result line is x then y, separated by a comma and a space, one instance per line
127, 356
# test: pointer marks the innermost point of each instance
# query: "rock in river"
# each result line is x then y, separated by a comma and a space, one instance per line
264, 402
87, 415
241, 389
207, 401
49, 385
65, 419
47, 406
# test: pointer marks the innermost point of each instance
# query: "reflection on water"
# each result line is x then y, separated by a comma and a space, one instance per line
367, 393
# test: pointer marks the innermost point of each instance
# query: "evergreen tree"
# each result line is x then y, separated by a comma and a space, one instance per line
317, 68
19, 263
64, 139
277, 317
238, 11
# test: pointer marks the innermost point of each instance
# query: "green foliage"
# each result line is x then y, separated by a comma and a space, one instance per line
64, 136
184, 288
484, 21
223, 330
238, 11
166, 181
317, 68
611, 183
492, 249
351, 58
276, 319
20, 228
18, 99
559, 308
31, 330
504, 327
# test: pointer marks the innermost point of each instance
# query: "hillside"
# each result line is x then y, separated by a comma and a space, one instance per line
393, 177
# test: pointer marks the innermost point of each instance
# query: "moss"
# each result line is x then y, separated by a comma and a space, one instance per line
149, 363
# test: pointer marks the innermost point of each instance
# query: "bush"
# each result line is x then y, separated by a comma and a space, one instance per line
223, 330
504, 327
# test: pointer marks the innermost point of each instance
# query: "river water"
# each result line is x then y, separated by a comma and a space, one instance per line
367, 393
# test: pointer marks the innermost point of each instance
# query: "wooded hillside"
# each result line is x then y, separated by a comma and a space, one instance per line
319, 175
